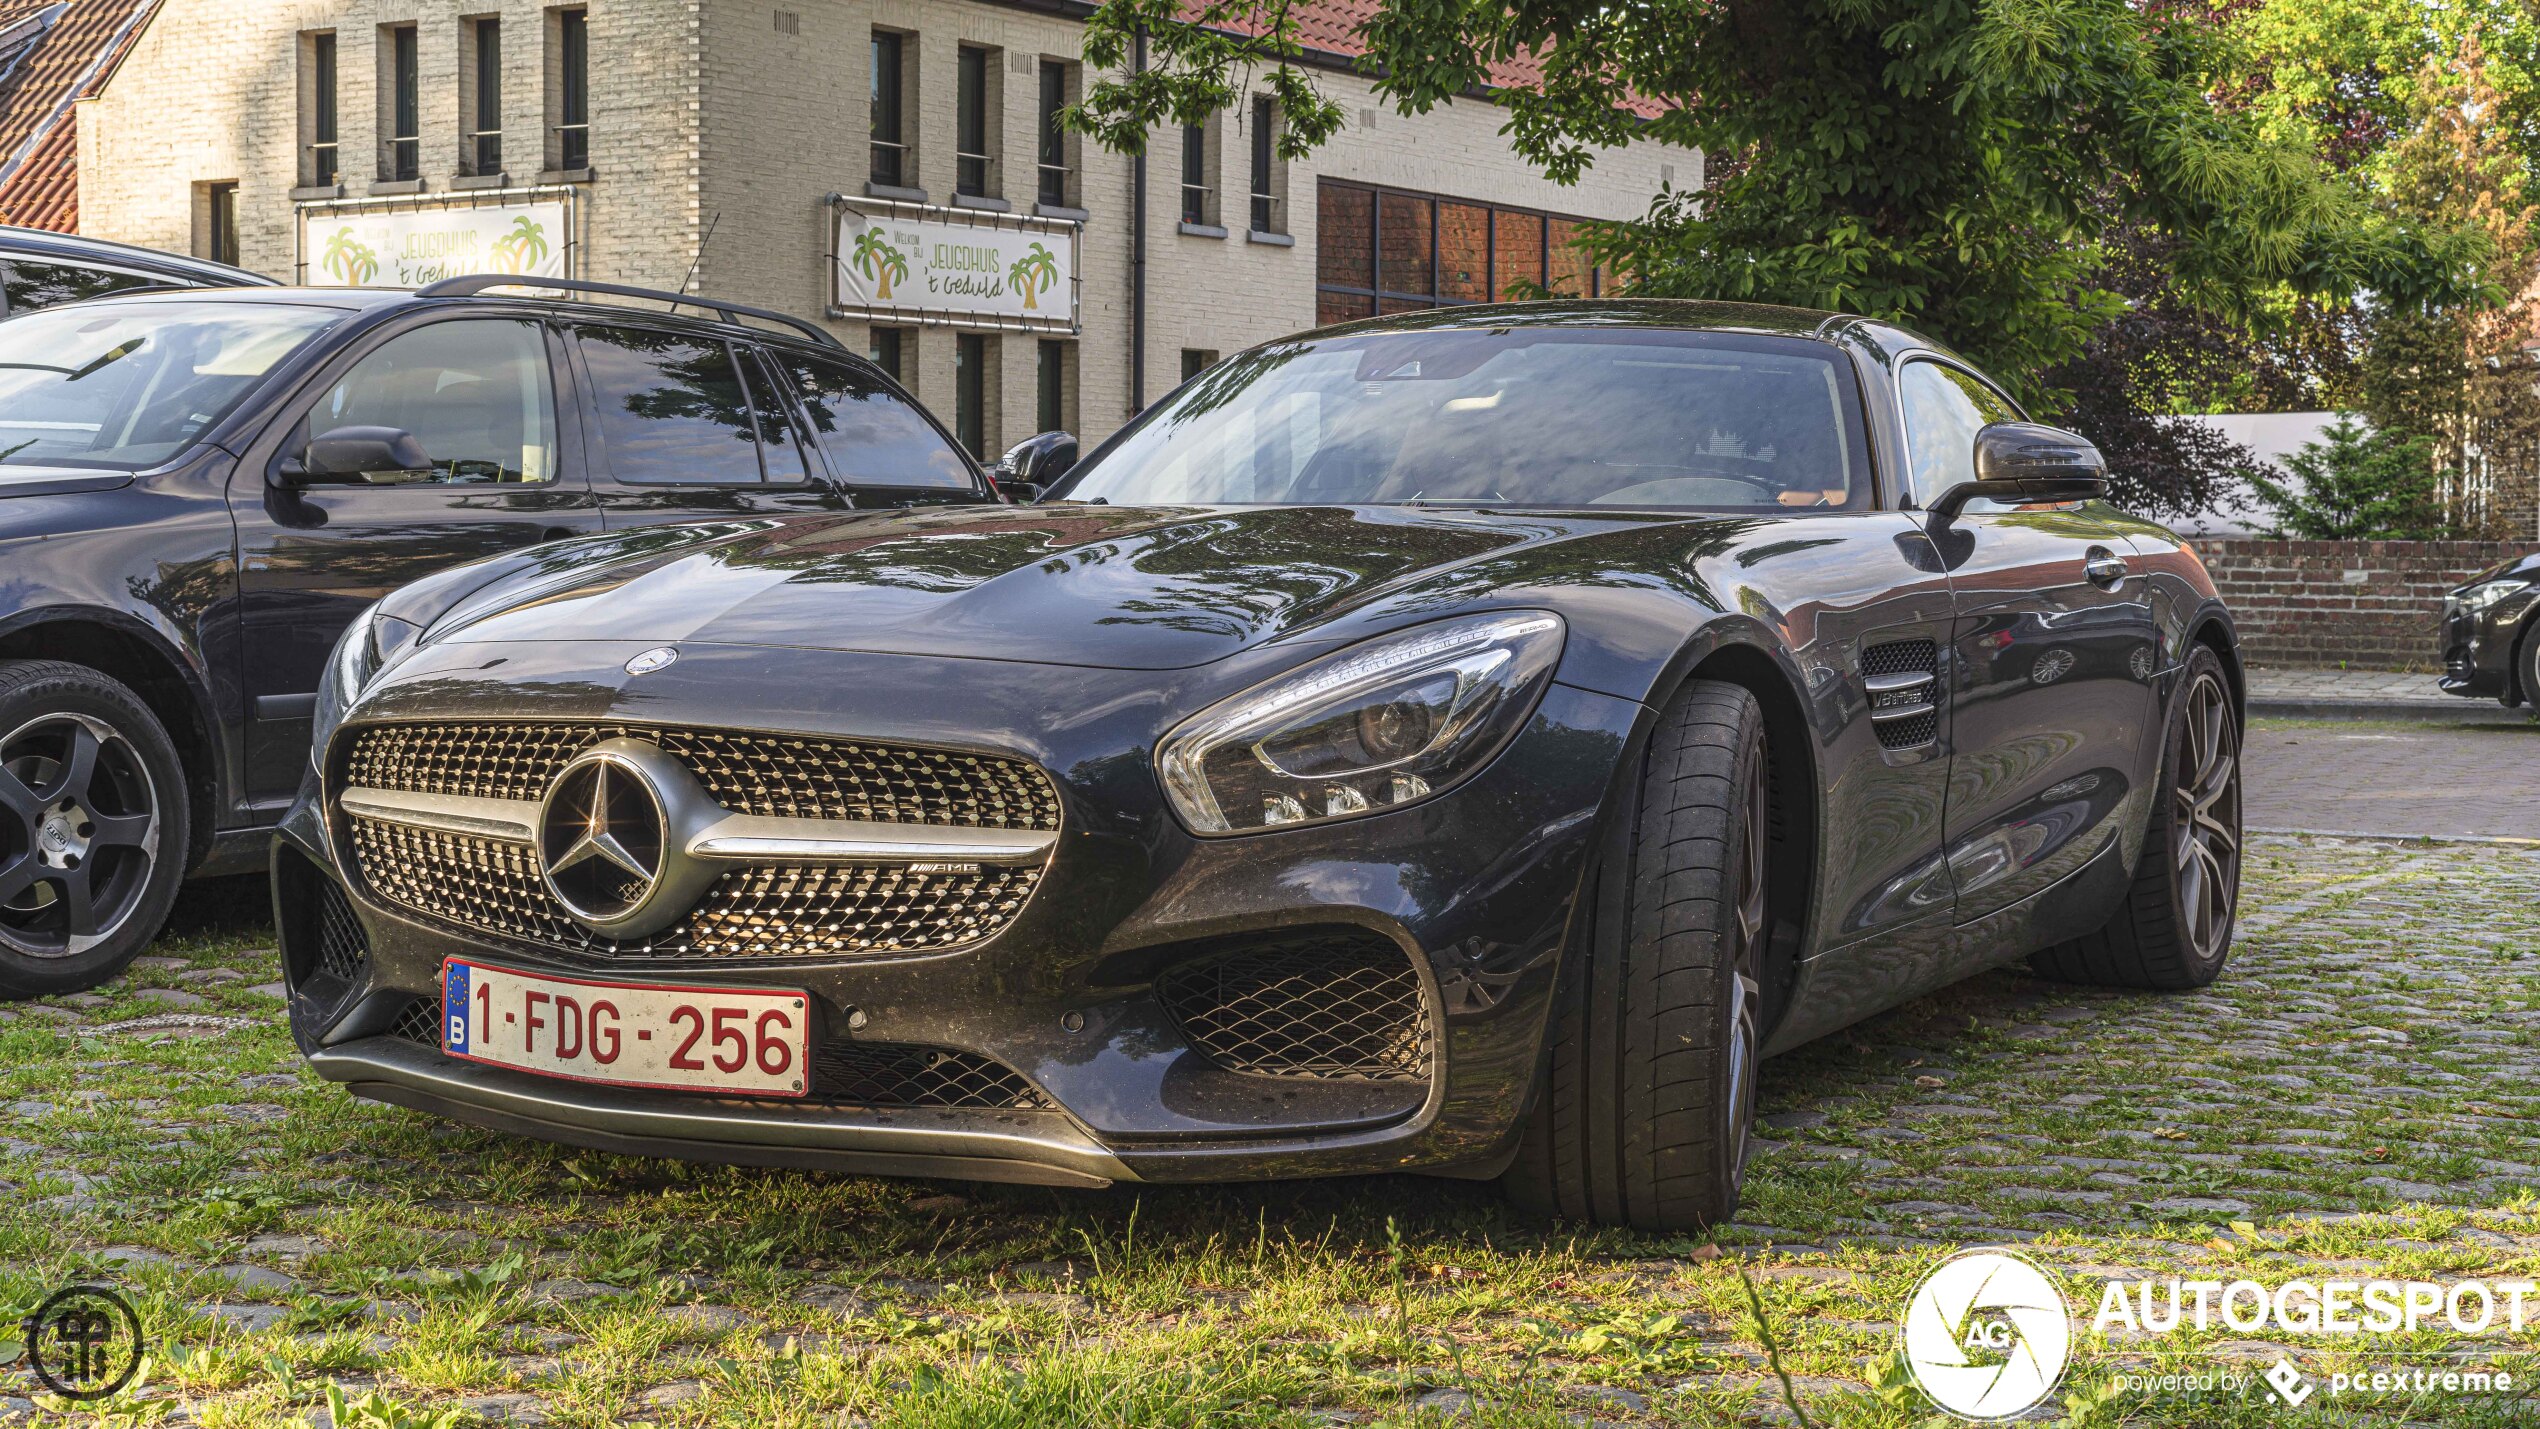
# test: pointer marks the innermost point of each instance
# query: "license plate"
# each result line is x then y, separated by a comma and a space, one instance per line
750, 1041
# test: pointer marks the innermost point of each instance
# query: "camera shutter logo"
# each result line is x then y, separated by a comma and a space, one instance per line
84, 1342
1987, 1335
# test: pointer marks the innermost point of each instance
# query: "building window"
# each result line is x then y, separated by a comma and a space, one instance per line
1269, 174
401, 105
481, 96
1384, 251
1199, 175
887, 348
972, 382
320, 162
1057, 145
977, 106
891, 157
1053, 386
1196, 360
216, 220
569, 89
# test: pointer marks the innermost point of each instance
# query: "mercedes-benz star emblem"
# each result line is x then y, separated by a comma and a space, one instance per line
657, 658
600, 838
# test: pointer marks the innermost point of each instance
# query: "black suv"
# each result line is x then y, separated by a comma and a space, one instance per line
200, 490
41, 269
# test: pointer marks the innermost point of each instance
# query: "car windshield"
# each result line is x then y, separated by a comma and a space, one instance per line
128, 385
1633, 417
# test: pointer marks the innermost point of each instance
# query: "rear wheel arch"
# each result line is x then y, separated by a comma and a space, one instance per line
2215, 635
122, 649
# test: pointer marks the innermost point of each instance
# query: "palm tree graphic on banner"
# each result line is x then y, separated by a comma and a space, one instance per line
875, 258
349, 259
1034, 273
521, 250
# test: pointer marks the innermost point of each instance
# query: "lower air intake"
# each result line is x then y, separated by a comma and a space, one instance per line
1338, 1006
896, 1074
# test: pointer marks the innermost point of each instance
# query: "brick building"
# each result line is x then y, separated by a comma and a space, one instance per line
993, 262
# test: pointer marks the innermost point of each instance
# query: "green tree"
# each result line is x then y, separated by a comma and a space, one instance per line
2359, 484
1945, 162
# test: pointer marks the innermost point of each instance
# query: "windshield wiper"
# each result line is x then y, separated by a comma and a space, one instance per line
116, 353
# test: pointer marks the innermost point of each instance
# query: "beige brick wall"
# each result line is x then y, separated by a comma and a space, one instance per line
746, 117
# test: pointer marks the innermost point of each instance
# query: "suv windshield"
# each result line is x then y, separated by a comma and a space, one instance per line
126, 386
1638, 417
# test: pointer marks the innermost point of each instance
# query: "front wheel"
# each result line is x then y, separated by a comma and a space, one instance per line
2173, 931
1646, 1096
92, 827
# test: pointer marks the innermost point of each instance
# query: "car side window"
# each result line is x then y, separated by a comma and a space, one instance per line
1944, 409
32, 285
871, 435
780, 446
476, 392
671, 408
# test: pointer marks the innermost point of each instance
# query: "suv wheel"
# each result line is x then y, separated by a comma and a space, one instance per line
1646, 1098
92, 827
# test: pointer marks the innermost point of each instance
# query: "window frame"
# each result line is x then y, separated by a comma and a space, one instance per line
979, 484
977, 105
401, 103
482, 74
1266, 206
322, 119
1379, 295
1200, 184
1055, 152
564, 394
570, 34
896, 104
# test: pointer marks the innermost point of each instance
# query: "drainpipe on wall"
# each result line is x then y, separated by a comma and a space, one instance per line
1138, 257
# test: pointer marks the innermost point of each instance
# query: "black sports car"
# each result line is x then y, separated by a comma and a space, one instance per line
2488, 649
1464, 743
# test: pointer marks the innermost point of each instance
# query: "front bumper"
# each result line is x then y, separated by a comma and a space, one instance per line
1476, 888
2478, 648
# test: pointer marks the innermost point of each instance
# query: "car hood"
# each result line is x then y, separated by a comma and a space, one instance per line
1113, 587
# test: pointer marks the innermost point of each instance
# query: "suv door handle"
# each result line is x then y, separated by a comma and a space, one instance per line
2104, 567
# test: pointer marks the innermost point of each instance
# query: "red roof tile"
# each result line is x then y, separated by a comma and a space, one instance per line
39, 132
1334, 27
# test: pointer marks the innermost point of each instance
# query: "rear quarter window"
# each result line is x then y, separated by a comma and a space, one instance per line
872, 435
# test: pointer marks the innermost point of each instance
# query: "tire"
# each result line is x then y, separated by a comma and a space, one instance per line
93, 827
1646, 1095
2173, 931
2527, 667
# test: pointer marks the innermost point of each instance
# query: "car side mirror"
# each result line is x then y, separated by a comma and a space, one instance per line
1032, 464
2022, 462
358, 456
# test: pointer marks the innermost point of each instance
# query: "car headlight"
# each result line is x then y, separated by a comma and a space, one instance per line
2486, 593
1388, 722
365, 649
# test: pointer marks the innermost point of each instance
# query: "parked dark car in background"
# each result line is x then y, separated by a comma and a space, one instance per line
2489, 650
42, 269
1463, 742
199, 490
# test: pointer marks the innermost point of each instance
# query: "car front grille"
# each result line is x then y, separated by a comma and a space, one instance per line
777, 775
754, 910
1340, 1006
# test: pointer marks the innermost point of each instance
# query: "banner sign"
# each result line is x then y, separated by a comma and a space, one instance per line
409, 247
906, 261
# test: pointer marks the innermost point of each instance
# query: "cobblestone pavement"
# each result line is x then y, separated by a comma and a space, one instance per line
2466, 780
2360, 1094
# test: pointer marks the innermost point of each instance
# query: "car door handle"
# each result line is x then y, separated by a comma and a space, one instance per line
2104, 567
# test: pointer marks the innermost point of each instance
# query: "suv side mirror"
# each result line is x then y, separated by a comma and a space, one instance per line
358, 456
1033, 463
2024, 461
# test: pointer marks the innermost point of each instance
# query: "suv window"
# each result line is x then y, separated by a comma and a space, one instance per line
670, 408
476, 392
32, 285
871, 435
1944, 409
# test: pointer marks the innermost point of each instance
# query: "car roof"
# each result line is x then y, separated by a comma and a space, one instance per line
1679, 314
72, 248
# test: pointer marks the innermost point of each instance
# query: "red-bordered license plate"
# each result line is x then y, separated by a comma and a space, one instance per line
747, 1041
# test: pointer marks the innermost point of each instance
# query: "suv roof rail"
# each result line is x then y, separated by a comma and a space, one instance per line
475, 283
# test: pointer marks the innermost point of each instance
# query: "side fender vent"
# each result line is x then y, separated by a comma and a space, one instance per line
1902, 678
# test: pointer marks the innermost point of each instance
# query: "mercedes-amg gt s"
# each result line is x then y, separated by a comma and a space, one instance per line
1465, 743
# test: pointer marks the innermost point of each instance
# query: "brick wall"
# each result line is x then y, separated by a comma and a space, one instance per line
2371, 604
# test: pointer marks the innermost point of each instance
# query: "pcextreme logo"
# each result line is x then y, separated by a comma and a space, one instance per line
1987, 1335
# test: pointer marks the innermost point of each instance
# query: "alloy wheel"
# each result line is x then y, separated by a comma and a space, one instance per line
2205, 817
1753, 931
79, 830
